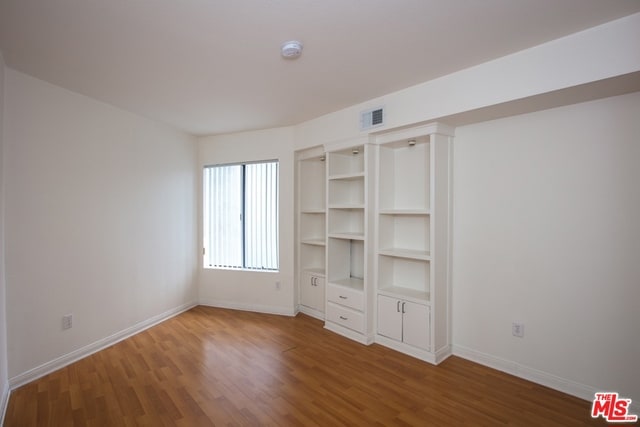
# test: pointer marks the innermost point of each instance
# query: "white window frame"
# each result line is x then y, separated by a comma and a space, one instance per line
246, 235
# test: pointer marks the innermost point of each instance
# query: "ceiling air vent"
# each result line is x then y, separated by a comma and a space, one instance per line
371, 118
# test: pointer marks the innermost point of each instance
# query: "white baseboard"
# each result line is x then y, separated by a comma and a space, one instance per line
267, 309
311, 312
4, 401
346, 332
555, 382
401, 347
443, 354
67, 359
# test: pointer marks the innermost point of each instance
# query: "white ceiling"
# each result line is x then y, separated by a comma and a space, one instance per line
213, 66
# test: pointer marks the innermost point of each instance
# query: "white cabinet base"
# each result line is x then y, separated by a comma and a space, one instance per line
389, 318
311, 312
348, 333
404, 321
312, 292
427, 356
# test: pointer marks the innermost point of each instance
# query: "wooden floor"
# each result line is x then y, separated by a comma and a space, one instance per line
213, 366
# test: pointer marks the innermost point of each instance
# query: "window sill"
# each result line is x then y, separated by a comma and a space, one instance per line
248, 270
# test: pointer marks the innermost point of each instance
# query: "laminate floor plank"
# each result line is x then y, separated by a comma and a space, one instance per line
218, 367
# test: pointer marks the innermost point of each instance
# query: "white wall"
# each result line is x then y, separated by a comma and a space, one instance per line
248, 290
100, 220
4, 375
603, 52
547, 232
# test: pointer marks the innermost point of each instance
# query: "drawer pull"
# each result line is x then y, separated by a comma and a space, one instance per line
342, 297
344, 318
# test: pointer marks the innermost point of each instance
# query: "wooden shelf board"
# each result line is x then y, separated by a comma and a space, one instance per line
349, 282
313, 211
315, 271
347, 206
406, 253
404, 212
315, 242
414, 295
347, 236
347, 176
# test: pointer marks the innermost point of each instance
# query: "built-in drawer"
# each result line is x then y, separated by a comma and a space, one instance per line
345, 317
344, 296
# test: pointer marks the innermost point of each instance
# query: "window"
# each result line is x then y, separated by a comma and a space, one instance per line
241, 216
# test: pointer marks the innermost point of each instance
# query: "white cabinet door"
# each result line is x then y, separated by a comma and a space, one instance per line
318, 293
351, 298
415, 328
389, 317
312, 291
306, 289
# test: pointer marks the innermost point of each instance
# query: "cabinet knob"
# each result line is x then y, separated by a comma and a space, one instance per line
342, 297
344, 318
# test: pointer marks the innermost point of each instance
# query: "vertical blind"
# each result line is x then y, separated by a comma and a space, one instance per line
241, 216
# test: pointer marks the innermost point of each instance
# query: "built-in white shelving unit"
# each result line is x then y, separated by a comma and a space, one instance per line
311, 234
373, 238
349, 311
412, 233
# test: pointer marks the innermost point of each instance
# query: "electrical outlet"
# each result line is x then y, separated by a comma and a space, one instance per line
278, 285
67, 321
517, 329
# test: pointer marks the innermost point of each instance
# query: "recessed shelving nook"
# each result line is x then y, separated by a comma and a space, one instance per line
349, 298
311, 233
412, 232
404, 217
346, 216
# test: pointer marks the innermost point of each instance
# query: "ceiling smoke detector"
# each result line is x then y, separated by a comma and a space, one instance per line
291, 49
